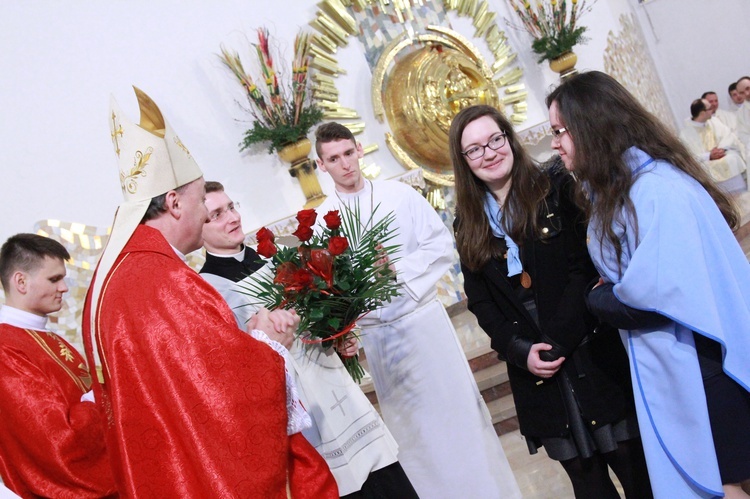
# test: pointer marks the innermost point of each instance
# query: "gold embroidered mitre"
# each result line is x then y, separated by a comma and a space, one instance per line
152, 161
151, 157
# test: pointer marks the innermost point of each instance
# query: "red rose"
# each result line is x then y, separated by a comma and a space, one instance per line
303, 232
266, 248
293, 278
337, 245
333, 220
307, 217
302, 279
264, 235
320, 263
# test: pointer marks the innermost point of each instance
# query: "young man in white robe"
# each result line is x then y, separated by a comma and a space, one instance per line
427, 393
727, 117
716, 147
346, 429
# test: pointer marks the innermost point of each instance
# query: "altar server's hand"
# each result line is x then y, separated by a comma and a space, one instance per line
348, 347
384, 261
537, 366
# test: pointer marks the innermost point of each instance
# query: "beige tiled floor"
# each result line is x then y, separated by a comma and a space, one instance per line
538, 476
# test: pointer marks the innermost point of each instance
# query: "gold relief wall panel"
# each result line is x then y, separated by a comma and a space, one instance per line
628, 59
418, 63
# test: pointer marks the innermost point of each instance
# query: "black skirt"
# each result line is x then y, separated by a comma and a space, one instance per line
582, 441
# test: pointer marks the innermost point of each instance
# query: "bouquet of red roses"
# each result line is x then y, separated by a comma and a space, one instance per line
336, 275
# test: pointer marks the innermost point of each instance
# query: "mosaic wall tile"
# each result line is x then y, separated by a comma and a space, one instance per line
628, 59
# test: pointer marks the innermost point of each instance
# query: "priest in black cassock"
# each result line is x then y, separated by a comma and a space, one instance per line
346, 430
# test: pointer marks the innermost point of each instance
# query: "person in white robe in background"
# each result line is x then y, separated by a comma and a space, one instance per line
427, 393
743, 111
715, 146
346, 429
727, 117
736, 97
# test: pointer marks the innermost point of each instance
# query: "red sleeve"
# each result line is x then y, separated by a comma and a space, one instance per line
309, 476
51, 444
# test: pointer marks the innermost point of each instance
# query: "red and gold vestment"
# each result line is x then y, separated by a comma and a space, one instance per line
51, 443
195, 406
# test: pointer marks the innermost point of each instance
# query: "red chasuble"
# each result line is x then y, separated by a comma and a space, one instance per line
195, 406
51, 443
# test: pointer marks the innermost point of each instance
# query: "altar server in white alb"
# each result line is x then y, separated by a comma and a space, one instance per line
427, 393
346, 429
717, 148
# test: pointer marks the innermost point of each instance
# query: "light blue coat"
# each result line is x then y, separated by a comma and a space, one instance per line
688, 266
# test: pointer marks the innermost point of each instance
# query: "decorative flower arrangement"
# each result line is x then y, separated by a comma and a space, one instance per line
552, 24
336, 275
282, 114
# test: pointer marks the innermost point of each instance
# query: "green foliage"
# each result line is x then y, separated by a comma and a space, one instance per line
552, 23
552, 47
358, 282
281, 135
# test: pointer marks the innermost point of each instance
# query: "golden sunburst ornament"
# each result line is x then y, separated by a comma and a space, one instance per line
424, 72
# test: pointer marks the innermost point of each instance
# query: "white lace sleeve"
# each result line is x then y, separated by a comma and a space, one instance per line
298, 418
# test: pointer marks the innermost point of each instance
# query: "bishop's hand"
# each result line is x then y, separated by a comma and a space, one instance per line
279, 325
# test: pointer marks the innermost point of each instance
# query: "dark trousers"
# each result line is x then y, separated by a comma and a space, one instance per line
386, 483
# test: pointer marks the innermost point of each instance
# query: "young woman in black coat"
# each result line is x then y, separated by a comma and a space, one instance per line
522, 243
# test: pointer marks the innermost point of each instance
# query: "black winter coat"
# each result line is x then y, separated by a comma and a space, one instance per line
560, 269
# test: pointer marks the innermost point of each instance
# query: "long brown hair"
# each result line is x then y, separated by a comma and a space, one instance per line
528, 188
604, 120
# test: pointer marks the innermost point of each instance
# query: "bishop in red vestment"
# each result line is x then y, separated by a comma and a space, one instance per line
194, 406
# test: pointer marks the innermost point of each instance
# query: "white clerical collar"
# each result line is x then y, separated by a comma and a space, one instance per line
237, 256
20, 318
179, 254
366, 187
698, 124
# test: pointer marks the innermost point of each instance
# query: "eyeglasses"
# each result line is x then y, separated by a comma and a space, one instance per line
495, 143
556, 133
217, 215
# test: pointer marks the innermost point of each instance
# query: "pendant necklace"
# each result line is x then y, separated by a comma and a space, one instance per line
525, 277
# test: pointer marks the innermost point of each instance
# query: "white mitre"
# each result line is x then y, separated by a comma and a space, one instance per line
152, 160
